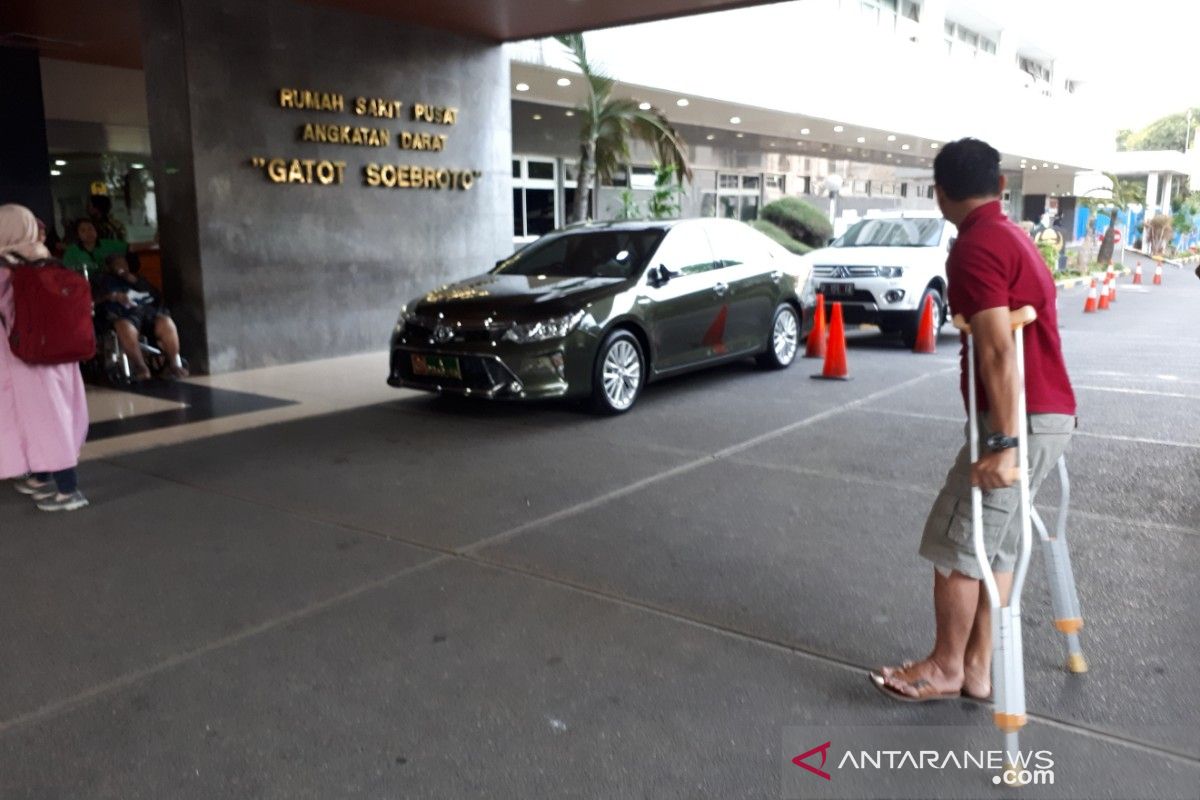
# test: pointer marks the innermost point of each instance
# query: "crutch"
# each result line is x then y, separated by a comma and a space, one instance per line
1008, 668
1068, 619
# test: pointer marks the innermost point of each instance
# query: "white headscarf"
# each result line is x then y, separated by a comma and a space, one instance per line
19, 235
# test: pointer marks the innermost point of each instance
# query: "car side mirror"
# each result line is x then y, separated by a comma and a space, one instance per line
660, 275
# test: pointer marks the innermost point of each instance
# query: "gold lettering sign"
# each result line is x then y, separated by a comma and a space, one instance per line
324, 172
411, 176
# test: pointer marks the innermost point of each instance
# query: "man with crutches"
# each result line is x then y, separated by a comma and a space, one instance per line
993, 269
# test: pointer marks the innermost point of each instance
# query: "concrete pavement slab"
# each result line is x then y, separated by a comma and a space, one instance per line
462, 681
831, 567
153, 569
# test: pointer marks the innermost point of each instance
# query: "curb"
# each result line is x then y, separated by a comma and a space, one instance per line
1071, 283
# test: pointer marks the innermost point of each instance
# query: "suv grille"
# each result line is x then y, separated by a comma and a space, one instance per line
846, 272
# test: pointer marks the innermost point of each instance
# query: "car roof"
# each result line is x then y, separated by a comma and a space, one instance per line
896, 213
644, 224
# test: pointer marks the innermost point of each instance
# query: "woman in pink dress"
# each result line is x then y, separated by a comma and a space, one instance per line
43, 411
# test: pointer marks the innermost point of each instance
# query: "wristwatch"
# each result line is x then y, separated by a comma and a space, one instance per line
998, 442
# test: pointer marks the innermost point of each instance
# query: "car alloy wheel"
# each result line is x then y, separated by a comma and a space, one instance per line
620, 371
785, 339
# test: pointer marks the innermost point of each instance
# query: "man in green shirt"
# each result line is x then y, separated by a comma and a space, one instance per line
87, 251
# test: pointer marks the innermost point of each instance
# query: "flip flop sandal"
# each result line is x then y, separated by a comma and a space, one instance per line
879, 682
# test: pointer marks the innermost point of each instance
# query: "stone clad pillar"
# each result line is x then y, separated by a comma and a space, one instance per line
1151, 195
24, 156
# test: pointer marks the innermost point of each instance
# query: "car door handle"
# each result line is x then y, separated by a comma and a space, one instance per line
720, 287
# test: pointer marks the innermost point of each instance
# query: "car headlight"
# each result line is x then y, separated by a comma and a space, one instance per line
540, 331
891, 272
405, 317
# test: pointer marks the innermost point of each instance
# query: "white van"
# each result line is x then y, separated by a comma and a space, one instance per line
884, 266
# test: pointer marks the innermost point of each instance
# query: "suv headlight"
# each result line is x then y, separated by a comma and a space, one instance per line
891, 272
553, 328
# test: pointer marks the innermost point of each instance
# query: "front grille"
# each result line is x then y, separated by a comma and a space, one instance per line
846, 272
425, 331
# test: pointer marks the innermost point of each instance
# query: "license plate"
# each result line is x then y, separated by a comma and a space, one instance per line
837, 289
436, 366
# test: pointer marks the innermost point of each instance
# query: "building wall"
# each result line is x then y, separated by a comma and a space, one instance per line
263, 273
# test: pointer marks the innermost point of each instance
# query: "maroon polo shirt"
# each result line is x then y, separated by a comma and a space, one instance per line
994, 264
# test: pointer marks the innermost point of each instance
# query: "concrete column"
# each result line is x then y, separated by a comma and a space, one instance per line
1151, 194
1165, 205
24, 156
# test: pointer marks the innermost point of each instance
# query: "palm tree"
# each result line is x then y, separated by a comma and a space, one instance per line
1124, 194
608, 124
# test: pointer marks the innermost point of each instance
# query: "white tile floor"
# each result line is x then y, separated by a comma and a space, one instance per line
315, 387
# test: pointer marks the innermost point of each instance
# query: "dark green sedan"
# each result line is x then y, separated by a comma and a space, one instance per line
595, 311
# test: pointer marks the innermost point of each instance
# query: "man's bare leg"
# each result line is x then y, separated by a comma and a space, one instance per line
977, 660
955, 606
168, 339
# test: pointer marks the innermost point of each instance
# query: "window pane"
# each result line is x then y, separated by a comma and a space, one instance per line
749, 209
541, 170
539, 211
518, 213
642, 178
729, 207
736, 244
708, 204
685, 250
727, 181
750, 181
516, 168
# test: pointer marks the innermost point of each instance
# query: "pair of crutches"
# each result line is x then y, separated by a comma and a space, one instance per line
1008, 669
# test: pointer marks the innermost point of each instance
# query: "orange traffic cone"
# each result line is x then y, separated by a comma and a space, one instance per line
1089, 306
1158, 274
1112, 286
1137, 274
816, 337
835, 356
1104, 295
926, 335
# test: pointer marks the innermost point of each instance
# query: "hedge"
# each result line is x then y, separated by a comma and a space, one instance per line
780, 236
802, 221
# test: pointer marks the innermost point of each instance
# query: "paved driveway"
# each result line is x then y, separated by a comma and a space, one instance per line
443, 599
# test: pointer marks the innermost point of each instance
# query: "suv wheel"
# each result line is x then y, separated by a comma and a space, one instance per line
619, 374
909, 331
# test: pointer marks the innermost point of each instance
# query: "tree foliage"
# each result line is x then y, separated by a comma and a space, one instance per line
608, 124
1166, 133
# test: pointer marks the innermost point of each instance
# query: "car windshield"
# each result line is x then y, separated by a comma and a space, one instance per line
586, 254
914, 232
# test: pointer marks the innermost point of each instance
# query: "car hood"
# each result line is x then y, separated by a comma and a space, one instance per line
515, 295
876, 256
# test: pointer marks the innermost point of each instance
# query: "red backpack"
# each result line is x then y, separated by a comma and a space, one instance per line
52, 310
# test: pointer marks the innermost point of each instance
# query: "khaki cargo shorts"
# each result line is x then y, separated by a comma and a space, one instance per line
948, 541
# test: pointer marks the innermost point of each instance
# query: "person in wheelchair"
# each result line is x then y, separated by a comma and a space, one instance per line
134, 309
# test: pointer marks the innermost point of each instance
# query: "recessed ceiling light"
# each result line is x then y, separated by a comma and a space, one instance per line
903, 147
933, 145
1034, 168
735, 120
838, 129
537, 116
849, 149
740, 135
134, 165
773, 144
711, 136
891, 137
58, 162
804, 131
802, 144
522, 87
644, 106
56, 172
1056, 166
861, 139
563, 81
681, 102
1044, 164
569, 113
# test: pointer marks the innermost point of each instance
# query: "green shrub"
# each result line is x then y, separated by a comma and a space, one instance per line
802, 221
1049, 255
780, 236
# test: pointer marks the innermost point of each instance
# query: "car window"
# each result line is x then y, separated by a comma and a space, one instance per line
907, 232
735, 243
685, 250
585, 254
